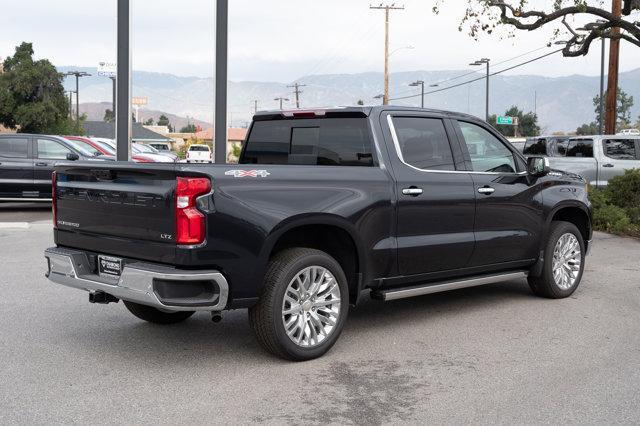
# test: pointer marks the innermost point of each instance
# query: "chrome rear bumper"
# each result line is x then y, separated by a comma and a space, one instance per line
140, 282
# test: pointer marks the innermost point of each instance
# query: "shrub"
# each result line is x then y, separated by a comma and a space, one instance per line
624, 191
634, 215
610, 218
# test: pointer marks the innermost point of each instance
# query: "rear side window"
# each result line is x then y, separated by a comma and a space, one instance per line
561, 147
620, 149
322, 142
424, 143
14, 147
535, 147
199, 148
580, 148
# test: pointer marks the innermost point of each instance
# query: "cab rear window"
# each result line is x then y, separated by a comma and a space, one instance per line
317, 142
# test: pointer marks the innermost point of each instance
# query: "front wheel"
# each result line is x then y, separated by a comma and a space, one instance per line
303, 306
564, 258
156, 316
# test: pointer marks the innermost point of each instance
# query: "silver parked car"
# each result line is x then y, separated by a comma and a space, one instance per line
599, 158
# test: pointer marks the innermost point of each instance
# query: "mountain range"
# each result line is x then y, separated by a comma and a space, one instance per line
562, 103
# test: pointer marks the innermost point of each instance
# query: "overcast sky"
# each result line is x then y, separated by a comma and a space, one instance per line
274, 40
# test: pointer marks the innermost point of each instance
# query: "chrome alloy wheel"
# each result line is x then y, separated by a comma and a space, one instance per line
311, 306
566, 261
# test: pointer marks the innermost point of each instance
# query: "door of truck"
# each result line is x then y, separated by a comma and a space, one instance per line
619, 154
435, 200
16, 167
508, 219
47, 152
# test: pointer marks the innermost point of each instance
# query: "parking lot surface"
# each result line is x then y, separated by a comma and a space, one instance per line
493, 354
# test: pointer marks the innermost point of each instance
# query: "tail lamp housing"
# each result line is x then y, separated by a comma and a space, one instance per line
190, 222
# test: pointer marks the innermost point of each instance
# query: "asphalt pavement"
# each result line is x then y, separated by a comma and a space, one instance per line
493, 354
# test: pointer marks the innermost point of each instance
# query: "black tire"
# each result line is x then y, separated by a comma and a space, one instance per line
545, 285
266, 317
153, 315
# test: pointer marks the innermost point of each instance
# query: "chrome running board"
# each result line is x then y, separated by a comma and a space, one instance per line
438, 287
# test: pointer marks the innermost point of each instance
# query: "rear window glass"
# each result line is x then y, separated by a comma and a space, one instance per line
535, 147
620, 149
199, 148
14, 147
582, 148
322, 142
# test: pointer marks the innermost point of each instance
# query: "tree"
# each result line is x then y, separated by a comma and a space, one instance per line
527, 123
588, 129
32, 98
109, 116
148, 122
189, 128
163, 120
528, 15
623, 110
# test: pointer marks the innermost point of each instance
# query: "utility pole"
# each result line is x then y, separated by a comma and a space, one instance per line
281, 99
255, 106
387, 9
614, 63
421, 84
71, 104
487, 62
78, 74
297, 92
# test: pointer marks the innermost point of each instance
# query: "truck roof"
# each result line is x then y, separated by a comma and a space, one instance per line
350, 111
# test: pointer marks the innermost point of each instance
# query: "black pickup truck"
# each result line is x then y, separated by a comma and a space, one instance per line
323, 206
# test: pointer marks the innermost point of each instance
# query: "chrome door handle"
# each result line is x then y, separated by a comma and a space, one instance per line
607, 165
41, 164
486, 190
414, 192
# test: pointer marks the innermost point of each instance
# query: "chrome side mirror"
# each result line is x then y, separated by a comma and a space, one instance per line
538, 166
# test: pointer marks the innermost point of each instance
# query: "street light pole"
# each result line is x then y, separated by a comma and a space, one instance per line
421, 84
281, 99
487, 62
77, 75
221, 70
123, 83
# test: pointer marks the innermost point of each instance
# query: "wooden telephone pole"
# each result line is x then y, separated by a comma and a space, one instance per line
297, 92
387, 9
611, 116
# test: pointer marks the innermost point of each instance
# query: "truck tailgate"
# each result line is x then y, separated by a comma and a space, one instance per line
130, 202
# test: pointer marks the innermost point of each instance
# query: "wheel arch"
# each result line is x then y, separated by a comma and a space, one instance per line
326, 232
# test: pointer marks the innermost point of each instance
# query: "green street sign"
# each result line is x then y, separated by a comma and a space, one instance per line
507, 121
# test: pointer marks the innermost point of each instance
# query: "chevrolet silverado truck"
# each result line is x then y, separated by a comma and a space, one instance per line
323, 207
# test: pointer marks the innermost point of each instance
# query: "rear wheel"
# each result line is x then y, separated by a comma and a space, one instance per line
156, 316
304, 305
563, 267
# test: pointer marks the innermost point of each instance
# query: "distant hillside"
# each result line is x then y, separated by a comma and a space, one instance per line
563, 103
95, 111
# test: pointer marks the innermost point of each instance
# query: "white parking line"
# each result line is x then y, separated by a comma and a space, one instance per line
14, 225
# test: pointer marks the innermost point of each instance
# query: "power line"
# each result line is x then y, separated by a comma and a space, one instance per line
480, 78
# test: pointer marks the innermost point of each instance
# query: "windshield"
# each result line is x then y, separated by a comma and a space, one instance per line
85, 148
146, 148
106, 147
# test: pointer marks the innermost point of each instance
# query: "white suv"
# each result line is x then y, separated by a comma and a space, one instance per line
199, 154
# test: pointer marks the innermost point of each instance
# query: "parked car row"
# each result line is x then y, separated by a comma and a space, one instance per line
27, 161
596, 158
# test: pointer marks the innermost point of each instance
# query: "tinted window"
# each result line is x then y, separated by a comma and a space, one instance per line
488, 153
620, 149
424, 143
323, 142
561, 147
14, 147
535, 147
197, 148
52, 150
580, 148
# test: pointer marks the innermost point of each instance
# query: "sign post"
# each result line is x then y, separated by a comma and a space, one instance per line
507, 121
220, 82
123, 83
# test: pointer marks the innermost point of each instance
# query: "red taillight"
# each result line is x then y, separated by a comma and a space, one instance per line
54, 198
190, 226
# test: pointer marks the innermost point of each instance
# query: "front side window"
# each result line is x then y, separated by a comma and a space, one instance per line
321, 142
14, 147
581, 148
424, 143
620, 149
488, 153
52, 150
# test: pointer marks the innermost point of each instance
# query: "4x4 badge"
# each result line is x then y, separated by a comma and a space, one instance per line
248, 173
